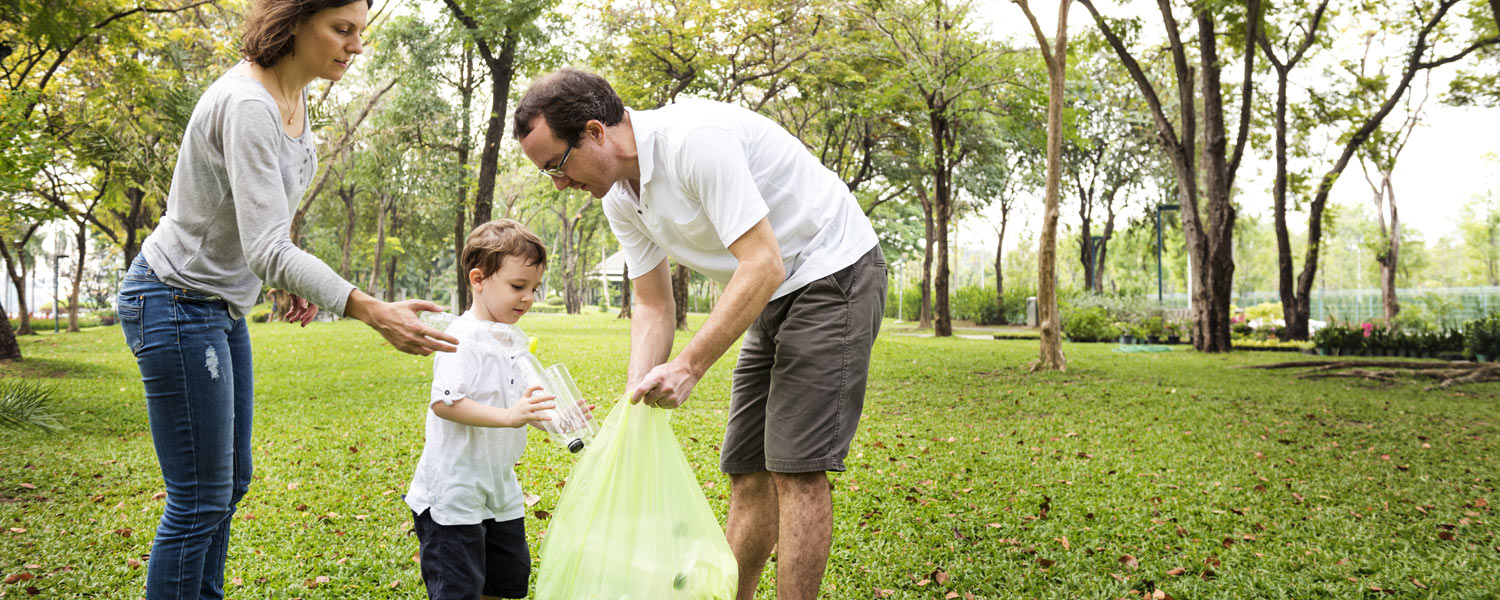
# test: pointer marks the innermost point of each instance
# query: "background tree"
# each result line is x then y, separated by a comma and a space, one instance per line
1049, 318
950, 73
1436, 41
1378, 158
1210, 228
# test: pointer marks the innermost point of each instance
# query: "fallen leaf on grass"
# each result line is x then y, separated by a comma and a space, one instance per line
1418, 583
1130, 562
1045, 562
1177, 571
133, 563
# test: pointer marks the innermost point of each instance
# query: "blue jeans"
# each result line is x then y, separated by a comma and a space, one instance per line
195, 362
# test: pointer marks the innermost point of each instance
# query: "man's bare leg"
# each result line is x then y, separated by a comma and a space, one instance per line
805, 504
752, 526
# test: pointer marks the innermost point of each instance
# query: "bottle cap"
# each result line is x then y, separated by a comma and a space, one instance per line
575, 446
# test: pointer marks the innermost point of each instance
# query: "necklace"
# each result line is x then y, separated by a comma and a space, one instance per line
292, 107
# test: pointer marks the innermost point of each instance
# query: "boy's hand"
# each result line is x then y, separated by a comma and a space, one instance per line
529, 410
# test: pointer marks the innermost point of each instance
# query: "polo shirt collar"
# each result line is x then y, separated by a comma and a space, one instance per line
644, 128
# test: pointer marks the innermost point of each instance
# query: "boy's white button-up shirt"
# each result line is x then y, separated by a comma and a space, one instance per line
467, 474
708, 172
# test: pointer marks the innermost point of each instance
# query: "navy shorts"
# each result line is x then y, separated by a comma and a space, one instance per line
461, 562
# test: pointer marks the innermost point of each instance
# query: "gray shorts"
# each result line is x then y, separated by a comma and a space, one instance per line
799, 386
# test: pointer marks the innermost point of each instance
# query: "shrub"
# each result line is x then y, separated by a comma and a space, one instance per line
1154, 326
977, 304
1089, 325
1482, 335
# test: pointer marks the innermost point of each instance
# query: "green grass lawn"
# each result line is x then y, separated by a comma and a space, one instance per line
1126, 474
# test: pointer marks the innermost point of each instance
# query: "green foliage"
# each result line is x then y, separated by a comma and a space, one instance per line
1092, 324
27, 405
977, 304
1482, 336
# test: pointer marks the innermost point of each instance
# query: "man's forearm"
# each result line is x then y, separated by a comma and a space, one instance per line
746, 295
651, 331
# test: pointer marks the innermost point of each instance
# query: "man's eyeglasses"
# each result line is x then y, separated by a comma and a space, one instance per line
557, 171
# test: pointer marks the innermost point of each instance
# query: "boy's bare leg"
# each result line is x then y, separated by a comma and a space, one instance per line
752, 526
806, 523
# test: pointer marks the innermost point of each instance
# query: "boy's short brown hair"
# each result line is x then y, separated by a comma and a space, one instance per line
489, 244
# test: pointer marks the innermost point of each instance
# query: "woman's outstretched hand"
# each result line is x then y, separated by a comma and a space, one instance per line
397, 322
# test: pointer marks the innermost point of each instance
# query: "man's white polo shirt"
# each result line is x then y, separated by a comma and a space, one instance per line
710, 171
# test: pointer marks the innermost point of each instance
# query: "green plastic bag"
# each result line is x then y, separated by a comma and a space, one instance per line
632, 523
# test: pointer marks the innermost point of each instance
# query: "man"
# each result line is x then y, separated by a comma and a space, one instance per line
732, 195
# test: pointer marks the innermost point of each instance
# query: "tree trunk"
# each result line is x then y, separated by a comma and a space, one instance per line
942, 210
390, 267
1086, 251
132, 222
572, 302
461, 195
1292, 312
379, 243
461, 297
81, 239
1050, 356
18, 277
502, 68
680, 294
1219, 181
625, 296
999, 269
1392, 255
347, 194
10, 349
1103, 249
924, 314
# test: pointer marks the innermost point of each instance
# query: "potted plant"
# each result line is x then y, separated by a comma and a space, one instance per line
1327, 341
1155, 328
1484, 337
1172, 331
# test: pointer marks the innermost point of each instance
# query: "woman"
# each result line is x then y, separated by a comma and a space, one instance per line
246, 158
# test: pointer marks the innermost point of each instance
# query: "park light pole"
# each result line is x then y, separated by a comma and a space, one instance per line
1159, 208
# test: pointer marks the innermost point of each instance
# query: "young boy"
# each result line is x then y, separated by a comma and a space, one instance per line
464, 496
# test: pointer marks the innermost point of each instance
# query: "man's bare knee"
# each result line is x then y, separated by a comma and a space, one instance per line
747, 485
801, 484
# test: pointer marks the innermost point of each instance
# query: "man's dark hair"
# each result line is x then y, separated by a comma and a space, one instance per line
568, 99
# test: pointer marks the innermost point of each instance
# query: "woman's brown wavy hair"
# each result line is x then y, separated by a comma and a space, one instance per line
268, 29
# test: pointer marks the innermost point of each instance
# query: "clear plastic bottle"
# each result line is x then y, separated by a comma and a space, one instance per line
570, 425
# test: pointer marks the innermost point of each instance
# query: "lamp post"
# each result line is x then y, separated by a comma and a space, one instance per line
1159, 208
